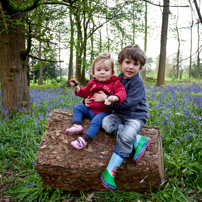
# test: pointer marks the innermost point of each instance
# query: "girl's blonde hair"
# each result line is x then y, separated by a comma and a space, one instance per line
102, 56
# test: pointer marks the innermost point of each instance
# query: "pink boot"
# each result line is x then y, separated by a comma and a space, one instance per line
80, 143
75, 129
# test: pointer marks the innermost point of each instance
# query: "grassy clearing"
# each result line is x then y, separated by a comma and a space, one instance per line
175, 108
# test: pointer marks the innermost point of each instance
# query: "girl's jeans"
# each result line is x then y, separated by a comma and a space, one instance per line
96, 119
125, 131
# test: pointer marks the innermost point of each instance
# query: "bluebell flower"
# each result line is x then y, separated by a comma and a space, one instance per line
28, 184
40, 117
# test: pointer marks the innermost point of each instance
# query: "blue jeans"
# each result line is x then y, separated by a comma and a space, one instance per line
96, 119
125, 131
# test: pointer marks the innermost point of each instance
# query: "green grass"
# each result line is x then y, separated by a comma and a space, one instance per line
175, 108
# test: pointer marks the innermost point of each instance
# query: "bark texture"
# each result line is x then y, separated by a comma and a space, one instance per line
62, 166
13, 69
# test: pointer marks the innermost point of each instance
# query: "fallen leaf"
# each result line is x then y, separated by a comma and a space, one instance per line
89, 198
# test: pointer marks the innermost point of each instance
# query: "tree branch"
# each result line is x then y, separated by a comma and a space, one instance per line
186, 58
198, 11
61, 3
32, 56
163, 5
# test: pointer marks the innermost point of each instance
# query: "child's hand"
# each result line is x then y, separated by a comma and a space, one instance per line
87, 101
99, 97
74, 84
111, 98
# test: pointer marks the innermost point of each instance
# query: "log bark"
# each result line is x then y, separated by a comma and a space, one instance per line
62, 166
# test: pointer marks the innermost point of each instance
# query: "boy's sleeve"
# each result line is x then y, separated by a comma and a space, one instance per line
84, 92
135, 94
120, 92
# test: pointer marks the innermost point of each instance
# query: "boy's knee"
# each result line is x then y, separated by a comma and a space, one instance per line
105, 124
128, 138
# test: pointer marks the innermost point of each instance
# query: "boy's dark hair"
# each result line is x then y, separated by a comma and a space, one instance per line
101, 56
133, 52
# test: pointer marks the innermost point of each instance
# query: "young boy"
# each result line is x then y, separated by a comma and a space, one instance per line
104, 80
130, 116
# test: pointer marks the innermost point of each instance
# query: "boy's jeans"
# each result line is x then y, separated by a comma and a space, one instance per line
125, 131
96, 119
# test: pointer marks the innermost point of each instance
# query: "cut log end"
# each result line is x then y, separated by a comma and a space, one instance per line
61, 166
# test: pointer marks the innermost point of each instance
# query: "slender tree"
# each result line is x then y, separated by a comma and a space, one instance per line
178, 49
198, 53
164, 31
145, 41
70, 72
191, 41
197, 74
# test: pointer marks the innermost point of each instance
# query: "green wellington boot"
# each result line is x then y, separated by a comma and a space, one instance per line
141, 143
109, 173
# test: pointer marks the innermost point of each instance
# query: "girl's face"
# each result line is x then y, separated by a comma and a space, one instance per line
129, 68
103, 70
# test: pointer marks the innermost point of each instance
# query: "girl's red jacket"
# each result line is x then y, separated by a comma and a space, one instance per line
110, 87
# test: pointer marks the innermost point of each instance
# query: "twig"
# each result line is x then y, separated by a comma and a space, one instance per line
163, 5
185, 58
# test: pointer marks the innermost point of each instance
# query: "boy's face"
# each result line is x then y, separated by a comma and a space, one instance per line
103, 70
129, 68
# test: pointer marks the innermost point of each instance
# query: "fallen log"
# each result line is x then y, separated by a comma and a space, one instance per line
62, 166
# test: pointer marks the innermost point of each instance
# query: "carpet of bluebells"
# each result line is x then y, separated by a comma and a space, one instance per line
175, 108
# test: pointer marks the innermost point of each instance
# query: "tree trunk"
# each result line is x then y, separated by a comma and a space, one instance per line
178, 49
59, 164
40, 66
191, 41
79, 51
100, 40
164, 32
133, 25
70, 72
198, 53
92, 49
145, 42
13, 70
59, 59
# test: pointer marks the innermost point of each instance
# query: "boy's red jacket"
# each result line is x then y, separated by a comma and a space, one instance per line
110, 87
